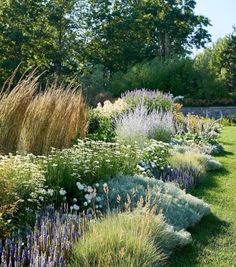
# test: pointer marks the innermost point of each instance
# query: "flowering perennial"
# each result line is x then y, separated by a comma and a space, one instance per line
49, 243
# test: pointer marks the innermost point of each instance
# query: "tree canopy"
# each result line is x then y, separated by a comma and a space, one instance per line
67, 36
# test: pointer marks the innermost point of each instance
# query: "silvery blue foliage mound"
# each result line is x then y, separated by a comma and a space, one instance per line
180, 209
141, 123
213, 165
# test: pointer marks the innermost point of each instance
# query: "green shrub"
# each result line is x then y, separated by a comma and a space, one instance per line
180, 76
130, 239
189, 160
179, 209
100, 127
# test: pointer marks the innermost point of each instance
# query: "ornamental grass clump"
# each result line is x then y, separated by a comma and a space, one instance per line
48, 244
33, 121
13, 105
140, 124
179, 209
135, 239
190, 162
53, 119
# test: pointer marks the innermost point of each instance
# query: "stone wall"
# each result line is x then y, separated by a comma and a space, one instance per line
212, 112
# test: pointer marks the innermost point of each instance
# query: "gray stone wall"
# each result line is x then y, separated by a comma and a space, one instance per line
212, 112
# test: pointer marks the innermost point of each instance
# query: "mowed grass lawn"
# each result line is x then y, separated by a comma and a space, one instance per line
214, 238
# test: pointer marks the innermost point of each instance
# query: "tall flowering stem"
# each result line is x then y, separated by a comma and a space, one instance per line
49, 244
152, 99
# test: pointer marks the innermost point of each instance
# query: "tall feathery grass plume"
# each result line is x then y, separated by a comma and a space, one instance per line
13, 105
34, 120
53, 119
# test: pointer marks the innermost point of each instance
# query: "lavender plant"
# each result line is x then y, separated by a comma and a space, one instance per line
184, 178
140, 124
153, 100
49, 243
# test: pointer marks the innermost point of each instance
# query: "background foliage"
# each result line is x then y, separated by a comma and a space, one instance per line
111, 46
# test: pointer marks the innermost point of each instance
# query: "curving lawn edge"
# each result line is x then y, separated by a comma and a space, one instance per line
214, 238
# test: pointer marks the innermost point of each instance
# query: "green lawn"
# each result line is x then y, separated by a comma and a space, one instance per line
214, 238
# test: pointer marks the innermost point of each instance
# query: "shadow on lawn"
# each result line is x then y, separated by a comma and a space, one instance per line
225, 154
208, 182
227, 143
203, 234
208, 228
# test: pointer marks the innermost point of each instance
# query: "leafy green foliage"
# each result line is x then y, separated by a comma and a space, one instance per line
38, 34
220, 61
180, 76
229, 61
71, 37
126, 32
100, 127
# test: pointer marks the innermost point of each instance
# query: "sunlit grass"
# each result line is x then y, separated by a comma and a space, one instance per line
215, 236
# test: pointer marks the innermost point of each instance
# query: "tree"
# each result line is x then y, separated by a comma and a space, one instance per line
20, 28
67, 36
220, 60
125, 32
229, 61
38, 33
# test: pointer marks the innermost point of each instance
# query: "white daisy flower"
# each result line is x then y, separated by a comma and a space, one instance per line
98, 199
62, 192
75, 207
80, 186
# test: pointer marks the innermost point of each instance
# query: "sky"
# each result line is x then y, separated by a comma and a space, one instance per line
222, 14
